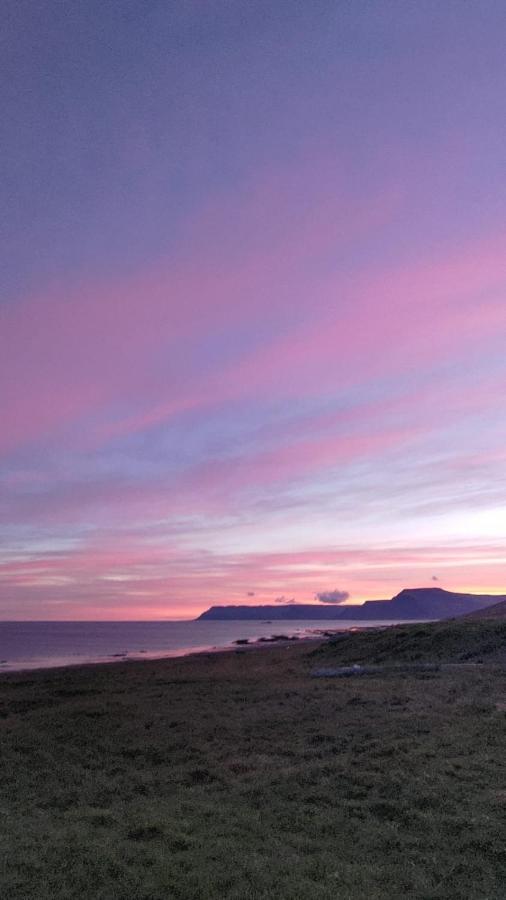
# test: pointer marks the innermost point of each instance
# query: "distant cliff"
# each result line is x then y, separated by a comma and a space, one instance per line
279, 612
416, 603
432, 603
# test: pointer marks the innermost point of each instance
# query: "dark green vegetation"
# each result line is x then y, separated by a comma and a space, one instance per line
238, 776
496, 611
461, 640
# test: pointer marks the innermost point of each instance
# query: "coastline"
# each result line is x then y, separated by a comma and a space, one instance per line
146, 778
299, 632
118, 659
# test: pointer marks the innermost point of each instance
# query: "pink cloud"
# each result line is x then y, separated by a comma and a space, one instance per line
306, 448
377, 324
73, 353
150, 583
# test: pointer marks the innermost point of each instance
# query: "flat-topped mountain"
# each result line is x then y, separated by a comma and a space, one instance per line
415, 603
435, 603
281, 612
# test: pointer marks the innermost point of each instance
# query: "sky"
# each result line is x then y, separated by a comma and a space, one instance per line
253, 303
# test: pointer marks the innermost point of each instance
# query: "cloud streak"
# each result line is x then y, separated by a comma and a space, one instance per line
255, 337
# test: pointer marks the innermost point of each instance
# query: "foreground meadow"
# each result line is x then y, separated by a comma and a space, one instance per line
238, 776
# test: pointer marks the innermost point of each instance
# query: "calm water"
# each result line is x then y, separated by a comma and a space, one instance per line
29, 645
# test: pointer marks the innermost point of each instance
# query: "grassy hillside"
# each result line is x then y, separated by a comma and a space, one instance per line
458, 640
239, 777
497, 611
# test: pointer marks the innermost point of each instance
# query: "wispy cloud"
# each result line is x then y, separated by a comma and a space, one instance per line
242, 344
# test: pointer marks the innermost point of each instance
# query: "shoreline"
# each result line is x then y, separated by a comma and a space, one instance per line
238, 645
163, 772
183, 654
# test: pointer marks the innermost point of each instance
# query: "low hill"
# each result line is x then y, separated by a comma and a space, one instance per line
415, 603
458, 640
283, 612
497, 611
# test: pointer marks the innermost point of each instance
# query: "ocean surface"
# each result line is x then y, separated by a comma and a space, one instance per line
32, 645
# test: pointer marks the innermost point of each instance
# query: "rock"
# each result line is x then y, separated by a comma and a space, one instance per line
356, 669
277, 637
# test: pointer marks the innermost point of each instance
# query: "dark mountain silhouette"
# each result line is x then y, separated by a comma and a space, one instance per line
415, 603
436, 603
497, 611
280, 612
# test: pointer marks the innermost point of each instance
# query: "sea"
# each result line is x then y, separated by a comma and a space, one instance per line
41, 645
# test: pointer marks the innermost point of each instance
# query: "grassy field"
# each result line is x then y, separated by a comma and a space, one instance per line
454, 641
238, 776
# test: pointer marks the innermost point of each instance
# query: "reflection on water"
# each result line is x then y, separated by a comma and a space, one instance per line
28, 645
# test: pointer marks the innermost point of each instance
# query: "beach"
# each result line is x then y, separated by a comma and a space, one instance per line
41, 645
237, 775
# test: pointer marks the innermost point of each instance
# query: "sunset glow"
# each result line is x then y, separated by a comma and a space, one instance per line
253, 324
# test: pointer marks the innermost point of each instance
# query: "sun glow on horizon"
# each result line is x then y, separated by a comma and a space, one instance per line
266, 357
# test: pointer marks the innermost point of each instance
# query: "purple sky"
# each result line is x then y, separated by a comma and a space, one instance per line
253, 311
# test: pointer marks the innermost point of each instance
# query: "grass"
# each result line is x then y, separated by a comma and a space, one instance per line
238, 776
454, 641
